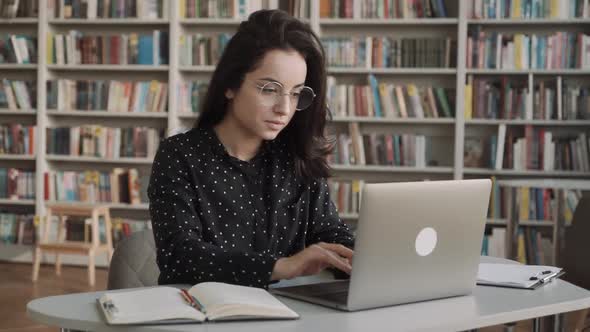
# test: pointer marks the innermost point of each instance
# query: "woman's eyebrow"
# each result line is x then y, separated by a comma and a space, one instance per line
275, 81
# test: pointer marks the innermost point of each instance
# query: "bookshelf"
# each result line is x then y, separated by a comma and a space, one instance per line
556, 225
452, 131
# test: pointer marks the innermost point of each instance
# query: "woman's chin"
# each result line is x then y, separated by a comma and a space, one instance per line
269, 135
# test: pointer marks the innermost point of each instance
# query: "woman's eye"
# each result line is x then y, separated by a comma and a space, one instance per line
269, 90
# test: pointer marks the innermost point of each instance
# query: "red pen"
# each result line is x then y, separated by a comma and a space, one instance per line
191, 300
186, 296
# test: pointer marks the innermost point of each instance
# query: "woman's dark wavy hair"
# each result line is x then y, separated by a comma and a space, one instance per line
267, 30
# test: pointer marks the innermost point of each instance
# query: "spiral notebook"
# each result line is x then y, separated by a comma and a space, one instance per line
202, 302
516, 275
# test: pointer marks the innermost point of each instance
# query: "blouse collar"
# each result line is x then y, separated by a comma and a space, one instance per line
218, 148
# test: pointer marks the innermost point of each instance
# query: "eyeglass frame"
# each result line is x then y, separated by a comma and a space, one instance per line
261, 87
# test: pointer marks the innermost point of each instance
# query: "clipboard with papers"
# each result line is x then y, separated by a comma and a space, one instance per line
516, 275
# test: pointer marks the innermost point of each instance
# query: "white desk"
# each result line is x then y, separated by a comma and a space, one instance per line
485, 307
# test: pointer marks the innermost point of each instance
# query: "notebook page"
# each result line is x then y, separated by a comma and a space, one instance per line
151, 304
514, 274
215, 294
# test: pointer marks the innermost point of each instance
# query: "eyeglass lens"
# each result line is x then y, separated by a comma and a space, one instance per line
272, 92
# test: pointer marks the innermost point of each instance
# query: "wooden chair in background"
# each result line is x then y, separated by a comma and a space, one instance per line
61, 246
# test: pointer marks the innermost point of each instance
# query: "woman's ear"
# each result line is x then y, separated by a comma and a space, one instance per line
229, 94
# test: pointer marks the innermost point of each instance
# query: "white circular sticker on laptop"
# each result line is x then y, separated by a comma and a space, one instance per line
426, 241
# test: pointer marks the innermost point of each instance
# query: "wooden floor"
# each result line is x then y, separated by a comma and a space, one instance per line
16, 290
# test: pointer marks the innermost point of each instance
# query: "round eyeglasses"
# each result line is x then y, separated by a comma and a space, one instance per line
270, 94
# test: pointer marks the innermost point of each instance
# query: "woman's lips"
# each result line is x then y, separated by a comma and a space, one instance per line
275, 124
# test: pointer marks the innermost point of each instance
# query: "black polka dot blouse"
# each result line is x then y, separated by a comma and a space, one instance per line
218, 218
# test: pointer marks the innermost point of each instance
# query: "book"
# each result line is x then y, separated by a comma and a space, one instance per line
389, 52
559, 50
516, 275
81, 48
206, 301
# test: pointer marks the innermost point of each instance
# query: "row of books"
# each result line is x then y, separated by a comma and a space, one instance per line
190, 95
201, 50
21, 49
119, 186
531, 247
497, 50
223, 8
504, 98
537, 149
19, 8
346, 195
17, 139
80, 229
380, 149
298, 8
17, 184
124, 228
75, 48
18, 95
381, 100
494, 242
575, 100
17, 228
21, 229
382, 9
533, 203
540, 150
104, 142
527, 9
390, 52
92, 9
104, 95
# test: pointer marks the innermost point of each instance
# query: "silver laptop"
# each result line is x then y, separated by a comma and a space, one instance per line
415, 241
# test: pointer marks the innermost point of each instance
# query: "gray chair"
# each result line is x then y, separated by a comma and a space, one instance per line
134, 262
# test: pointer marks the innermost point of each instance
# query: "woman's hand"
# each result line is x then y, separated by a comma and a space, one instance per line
313, 260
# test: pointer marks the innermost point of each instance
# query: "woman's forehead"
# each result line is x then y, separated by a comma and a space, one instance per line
286, 67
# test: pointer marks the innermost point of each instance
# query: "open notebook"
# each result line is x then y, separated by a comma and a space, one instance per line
211, 301
516, 275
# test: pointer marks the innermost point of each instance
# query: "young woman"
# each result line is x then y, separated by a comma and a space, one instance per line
242, 198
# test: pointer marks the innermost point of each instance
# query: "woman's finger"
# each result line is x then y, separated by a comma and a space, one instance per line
336, 261
338, 248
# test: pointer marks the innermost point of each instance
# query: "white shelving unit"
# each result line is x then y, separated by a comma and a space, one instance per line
20, 202
99, 160
210, 21
16, 67
383, 23
530, 22
365, 119
576, 72
19, 20
121, 68
104, 114
110, 21
454, 129
17, 157
392, 71
557, 224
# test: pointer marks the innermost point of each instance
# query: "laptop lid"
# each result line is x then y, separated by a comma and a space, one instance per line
417, 241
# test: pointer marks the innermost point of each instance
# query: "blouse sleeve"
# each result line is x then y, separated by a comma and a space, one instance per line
183, 256
325, 224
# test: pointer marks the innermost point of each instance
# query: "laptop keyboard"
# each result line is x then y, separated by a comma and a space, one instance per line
339, 297
332, 291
